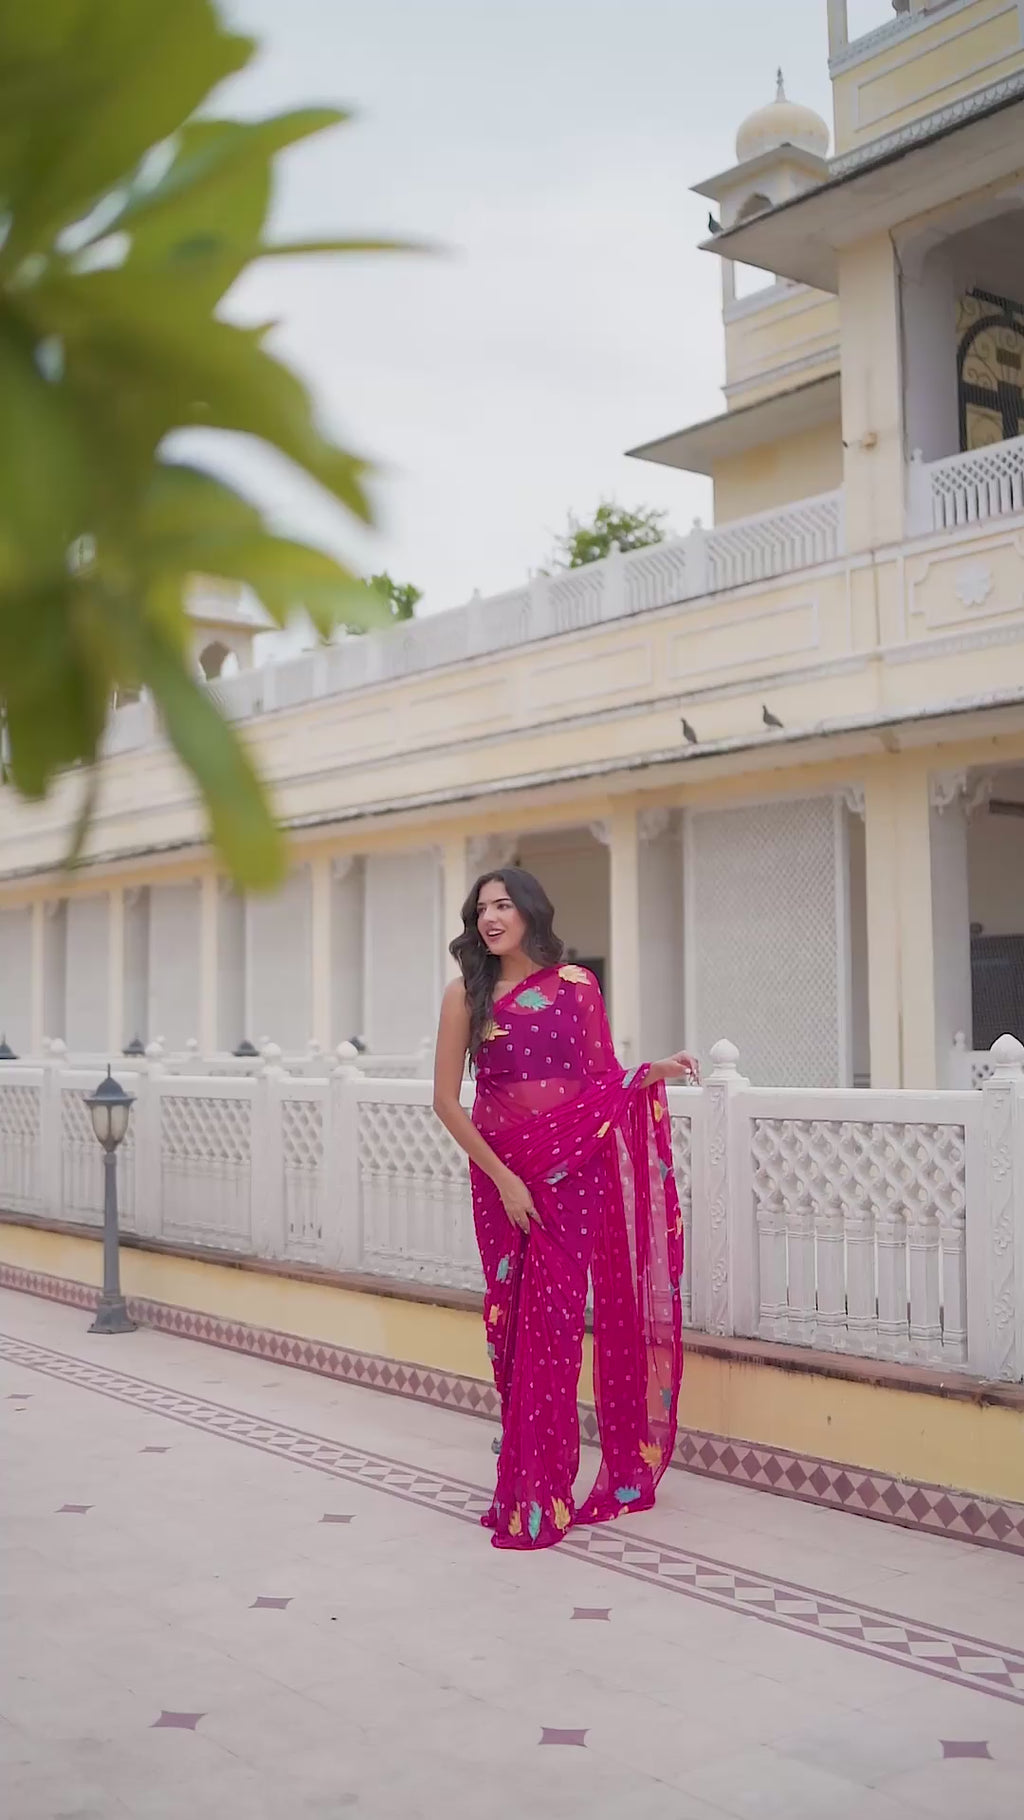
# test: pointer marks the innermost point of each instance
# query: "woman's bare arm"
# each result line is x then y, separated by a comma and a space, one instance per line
449, 1062
681, 1067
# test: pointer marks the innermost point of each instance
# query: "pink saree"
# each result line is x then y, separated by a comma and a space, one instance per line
595, 1150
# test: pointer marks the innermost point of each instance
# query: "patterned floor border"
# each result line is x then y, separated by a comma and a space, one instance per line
965, 1661
908, 1503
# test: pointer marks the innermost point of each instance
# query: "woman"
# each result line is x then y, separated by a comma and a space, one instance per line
571, 1165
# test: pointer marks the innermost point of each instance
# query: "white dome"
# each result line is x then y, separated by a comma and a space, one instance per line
782, 122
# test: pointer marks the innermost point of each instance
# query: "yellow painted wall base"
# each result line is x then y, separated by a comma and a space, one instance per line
966, 1444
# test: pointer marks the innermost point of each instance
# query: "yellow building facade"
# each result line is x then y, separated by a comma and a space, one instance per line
772, 772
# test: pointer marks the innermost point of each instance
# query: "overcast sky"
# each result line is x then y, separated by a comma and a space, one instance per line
548, 146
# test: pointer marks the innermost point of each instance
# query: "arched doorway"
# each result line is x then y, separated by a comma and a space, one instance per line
990, 369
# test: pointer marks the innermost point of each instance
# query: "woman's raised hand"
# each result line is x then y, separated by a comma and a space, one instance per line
682, 1067
518, 1202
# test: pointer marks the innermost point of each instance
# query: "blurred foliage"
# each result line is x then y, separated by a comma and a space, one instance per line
124, 220
612, 527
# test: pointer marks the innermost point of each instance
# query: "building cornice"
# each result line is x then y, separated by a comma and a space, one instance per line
893, 31
929, 126
861, 735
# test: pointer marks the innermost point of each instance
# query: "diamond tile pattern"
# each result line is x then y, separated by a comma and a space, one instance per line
902, 1501
966, 1661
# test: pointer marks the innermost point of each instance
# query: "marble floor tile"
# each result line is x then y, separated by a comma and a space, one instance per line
402, 1667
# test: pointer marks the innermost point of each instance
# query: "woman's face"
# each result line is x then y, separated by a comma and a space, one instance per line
502, 929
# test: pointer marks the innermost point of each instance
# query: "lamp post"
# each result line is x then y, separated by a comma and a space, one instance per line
110, 1108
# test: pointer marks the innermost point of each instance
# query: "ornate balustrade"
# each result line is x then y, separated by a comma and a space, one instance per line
884, 1224
967, 489
681, 569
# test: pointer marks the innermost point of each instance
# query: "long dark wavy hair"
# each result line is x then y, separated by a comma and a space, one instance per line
480, 968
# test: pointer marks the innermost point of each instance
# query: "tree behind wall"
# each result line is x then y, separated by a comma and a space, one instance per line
612, 526
400, 598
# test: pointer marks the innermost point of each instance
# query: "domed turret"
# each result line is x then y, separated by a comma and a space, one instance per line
781, 123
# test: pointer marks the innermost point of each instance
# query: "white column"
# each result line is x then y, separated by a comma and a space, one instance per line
928, 304
951, 928
321, 882
278, 970
16, 978
348, 960
662, 1022
38, 1020
87, 963
623, 838
233, 1020
135, 1022
403, 947
454, 868
837, 26
55, 954
174, 962
209, 970
115, 970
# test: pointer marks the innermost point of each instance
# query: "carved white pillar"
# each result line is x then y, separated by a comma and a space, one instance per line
726, 1293
995, 1229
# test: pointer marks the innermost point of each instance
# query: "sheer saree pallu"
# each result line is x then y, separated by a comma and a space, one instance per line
594, 1148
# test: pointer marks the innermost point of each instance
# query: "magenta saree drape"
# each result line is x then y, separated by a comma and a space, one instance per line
594, 1147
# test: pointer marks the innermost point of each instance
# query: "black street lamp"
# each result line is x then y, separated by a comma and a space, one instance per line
110, 1108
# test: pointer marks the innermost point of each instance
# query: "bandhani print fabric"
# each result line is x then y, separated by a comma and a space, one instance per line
593, 1145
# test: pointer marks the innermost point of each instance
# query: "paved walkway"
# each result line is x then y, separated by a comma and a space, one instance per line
239, 1591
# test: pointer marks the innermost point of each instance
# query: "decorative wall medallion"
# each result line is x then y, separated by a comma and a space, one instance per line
974, 584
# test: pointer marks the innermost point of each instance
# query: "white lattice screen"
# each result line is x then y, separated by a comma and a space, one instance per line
205, 1167
302, 1157
765, 950
19, 1147
417, 1211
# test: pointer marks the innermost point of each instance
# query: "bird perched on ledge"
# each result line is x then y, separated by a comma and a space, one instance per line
688, 732
770, 719
714, 227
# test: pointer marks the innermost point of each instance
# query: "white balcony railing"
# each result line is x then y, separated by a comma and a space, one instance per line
682, 568
882, 1224
967, 489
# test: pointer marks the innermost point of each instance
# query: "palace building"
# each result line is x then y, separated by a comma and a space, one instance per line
772, 772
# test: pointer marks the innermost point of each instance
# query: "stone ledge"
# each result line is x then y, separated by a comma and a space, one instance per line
792, 1472
845, 1367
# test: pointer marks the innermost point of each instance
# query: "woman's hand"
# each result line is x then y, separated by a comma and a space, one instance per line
681, 1067
517, 1201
